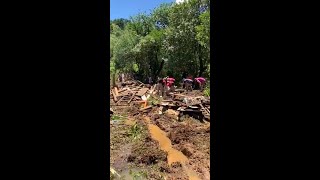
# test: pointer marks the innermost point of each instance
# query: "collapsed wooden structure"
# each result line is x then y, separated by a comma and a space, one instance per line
138, 93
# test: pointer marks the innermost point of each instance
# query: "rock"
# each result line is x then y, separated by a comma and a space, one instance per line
155, 117
187, 150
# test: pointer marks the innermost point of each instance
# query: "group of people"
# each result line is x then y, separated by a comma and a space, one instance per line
189, 83
166, 85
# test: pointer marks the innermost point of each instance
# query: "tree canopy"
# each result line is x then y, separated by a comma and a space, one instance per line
171, 40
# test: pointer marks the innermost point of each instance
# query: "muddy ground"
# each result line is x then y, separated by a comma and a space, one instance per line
134, 154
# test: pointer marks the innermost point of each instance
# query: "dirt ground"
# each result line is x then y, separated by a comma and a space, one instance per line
135, 154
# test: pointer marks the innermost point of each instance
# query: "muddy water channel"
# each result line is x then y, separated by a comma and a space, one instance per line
173, 154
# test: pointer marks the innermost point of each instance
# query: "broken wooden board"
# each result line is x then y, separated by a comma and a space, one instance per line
122, 90
179, 90
120, 100
166, 100
114, 96
116, 91
131, 97
148, 107
164, 103
153, 89
142, 92
194, 107
203, 108
172, 114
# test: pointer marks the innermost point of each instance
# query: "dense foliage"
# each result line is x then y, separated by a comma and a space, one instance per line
173, 39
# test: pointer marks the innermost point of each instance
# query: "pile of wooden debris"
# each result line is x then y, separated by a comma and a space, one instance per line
131, 92
137, 93
183, 104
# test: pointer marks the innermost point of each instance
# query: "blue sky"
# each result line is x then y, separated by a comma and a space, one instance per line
127, 8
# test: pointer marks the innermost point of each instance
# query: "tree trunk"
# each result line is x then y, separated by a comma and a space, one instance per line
160, 69
113, 80
201, 68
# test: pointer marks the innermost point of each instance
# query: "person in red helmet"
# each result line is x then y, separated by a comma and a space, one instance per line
200, 81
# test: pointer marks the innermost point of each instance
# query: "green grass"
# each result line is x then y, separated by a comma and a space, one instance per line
153, 101
206, 91
118, 118
138, 175
135, 131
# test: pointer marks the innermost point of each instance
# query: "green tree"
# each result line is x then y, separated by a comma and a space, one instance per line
173, 39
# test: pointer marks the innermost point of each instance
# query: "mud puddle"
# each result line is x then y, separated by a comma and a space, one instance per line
173, 154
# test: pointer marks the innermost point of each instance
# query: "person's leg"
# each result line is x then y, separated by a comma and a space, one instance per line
162, 90
187, 86
158, 89
190, 87
172, 88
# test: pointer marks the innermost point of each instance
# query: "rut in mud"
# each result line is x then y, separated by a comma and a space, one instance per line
173, 155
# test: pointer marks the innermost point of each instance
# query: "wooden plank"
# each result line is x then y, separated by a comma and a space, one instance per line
192, 110
139, 81
124, 89
114, 96
204, 109
120, 100
207, 110
179, 90
148, 107
142, 92
131, 97
116, 91
118, 104
152, 89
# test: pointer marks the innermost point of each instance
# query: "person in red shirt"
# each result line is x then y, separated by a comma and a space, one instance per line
169, 82
200, 81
